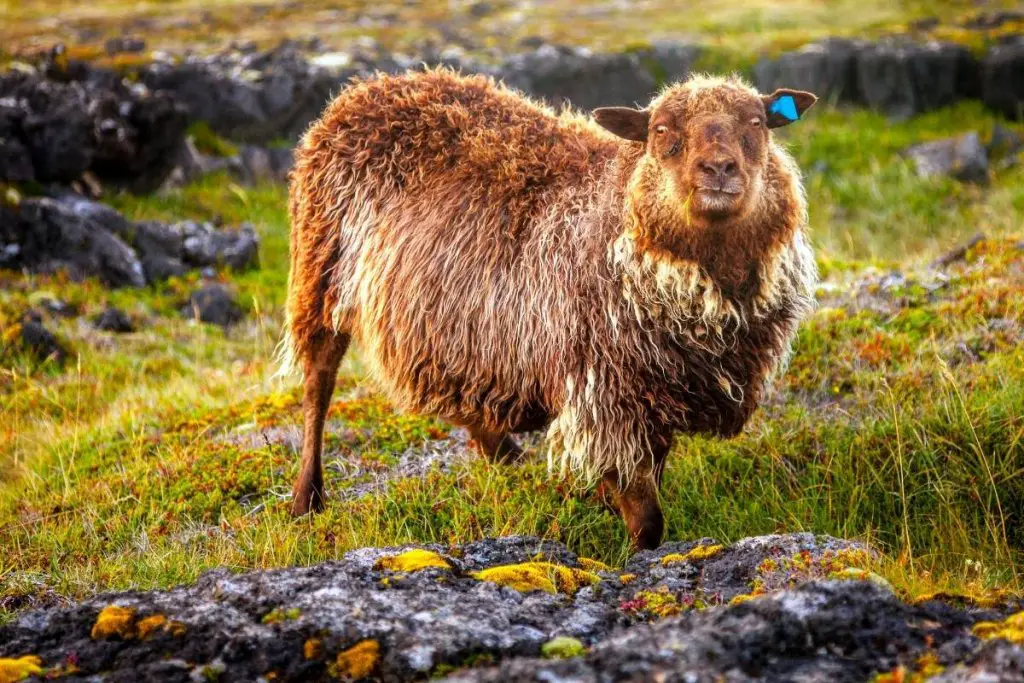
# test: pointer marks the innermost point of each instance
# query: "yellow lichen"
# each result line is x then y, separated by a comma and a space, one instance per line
627, 579
359, 660
927, 666
411, 561
745, 597
114, 621
701, 552
594, 565
12, 670
148, 626
313, 648
176, 628
1011, 629
532, 576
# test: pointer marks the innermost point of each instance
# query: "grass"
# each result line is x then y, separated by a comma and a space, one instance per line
900, 420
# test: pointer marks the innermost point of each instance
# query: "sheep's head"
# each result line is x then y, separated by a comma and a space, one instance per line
707, 143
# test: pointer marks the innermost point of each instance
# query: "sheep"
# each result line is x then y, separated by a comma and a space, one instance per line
615, 279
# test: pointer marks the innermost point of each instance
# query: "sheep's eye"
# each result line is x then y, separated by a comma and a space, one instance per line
661, 130
756, 122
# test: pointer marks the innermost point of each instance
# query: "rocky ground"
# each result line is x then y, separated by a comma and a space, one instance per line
775, 608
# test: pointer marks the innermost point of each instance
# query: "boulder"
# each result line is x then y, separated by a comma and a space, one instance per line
251, 97
486, 611
113, 319
574, 75
903, 78
42, 343
46, 235
213, 303
89, 239
1002, 79
963, 158
59, 122
827, 68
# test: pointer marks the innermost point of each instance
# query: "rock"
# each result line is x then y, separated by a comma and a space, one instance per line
1002, 79
73, 118
256, 97
998, 661
827, 68
1005, 146
963, 158
213, 304
958, 254
588, 80
89, 239
123, 45
114, 320
264, 164
903, 78
39, 340
46, 235
395, 615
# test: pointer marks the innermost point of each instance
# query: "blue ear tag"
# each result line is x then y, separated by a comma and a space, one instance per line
785, 106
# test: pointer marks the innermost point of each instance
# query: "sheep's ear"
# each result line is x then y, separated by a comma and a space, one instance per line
630, 124
783, 107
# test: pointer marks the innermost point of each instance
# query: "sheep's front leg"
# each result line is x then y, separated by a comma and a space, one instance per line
637, 501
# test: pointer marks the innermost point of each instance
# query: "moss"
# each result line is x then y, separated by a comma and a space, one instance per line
278, 615
313, 648
358, 661
658, 603
114, 621
532, 576
411, 561
857, 574
926, 666
593, 565
562, 647
148, 626
697, 554
1011, 629
16, 669
626, 579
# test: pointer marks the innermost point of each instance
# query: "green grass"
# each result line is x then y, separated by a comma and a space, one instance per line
128, 467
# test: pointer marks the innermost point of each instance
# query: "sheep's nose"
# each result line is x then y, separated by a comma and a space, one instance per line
719, 168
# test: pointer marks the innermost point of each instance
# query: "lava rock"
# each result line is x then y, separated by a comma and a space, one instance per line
214, 304
827, 68
580, 77
402, 624
1002, 79
75, 118
903, 78
124, 45
255, 97
264, 164
963, 158
114, 320
46, 235
43, 344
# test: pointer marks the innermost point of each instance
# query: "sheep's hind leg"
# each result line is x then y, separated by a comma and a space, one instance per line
320, 367
495, 446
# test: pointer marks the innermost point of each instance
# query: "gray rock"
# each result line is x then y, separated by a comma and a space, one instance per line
42, 343
827, 68
213, 303
72, 119
113, 319
963, 158
47, 235
1002, 79
295, 622
903, 78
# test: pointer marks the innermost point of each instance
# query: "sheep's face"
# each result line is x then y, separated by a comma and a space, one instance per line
707, 142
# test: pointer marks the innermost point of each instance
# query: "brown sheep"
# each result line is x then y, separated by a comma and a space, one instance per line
508, 268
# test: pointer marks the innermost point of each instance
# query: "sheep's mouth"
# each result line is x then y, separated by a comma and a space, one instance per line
718, 200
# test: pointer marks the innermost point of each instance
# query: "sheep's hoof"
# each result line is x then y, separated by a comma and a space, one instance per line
304, 503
